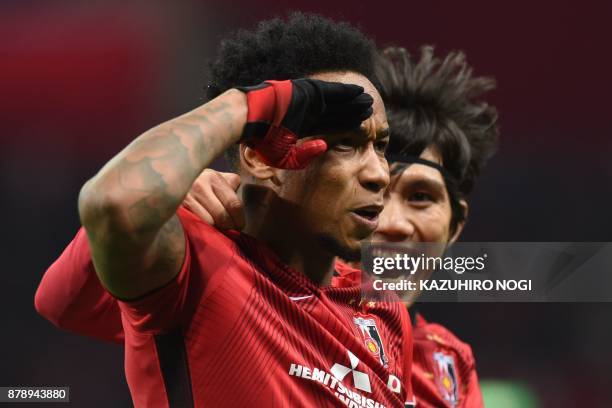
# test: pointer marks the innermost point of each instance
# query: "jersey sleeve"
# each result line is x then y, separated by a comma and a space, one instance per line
71, 296
162, 309
172, 305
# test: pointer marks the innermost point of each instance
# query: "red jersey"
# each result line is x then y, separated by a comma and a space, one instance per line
443, 370
237, 327
443, 367
71, 296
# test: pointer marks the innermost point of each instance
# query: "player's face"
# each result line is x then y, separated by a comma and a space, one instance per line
417, 205
341, 194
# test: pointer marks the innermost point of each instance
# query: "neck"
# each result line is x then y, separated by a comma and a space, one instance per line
274, 222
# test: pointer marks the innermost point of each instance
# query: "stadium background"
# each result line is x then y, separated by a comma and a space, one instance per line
79, 80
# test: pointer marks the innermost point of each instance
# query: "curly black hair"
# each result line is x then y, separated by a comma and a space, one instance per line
303, 45
437, 102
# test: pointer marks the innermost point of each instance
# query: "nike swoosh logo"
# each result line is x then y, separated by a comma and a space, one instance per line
294, 298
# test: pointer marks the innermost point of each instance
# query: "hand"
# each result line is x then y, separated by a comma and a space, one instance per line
281, 112
213, 198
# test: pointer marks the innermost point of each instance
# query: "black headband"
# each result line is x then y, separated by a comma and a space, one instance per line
451, 183
408, 159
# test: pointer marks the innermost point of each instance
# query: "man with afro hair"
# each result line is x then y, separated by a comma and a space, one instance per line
249, 318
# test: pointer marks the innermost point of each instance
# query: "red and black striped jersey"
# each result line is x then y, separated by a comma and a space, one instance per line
71, 296
443, 367
237, 327
443, 370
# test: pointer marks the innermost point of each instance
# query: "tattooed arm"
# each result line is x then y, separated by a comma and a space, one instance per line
128, 209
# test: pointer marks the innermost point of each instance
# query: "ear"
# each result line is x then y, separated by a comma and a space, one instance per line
465, 207
252, 163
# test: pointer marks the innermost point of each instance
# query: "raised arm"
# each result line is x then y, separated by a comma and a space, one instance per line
70, 294
128, 209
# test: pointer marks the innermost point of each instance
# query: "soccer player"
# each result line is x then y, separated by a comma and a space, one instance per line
433, 107
248, 318
442, 134
441, 137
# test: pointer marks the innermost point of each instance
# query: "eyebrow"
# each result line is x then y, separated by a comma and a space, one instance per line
381, 134
424, 180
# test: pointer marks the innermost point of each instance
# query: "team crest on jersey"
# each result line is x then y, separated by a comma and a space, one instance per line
446, 377
371, 337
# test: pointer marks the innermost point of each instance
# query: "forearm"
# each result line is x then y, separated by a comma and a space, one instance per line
141, 188
128, 209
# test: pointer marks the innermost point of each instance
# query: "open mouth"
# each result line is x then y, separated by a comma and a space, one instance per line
368, 214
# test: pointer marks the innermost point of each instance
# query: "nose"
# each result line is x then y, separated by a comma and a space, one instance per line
374, 174
394, 223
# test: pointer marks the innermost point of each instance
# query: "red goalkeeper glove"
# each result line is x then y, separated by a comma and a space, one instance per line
281, 112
